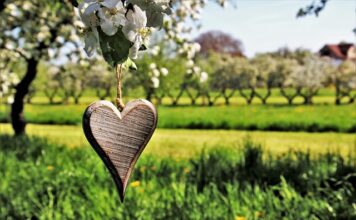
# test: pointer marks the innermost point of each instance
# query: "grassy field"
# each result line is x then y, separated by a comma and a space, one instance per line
183, 143
40, 180
315, 118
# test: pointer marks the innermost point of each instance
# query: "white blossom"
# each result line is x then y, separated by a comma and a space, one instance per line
155, 82
155, 50
135, 29
164, 71
155, 73
203, 77
153, 66
112, 18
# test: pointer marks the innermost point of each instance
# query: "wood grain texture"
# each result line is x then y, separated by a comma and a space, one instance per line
119, 138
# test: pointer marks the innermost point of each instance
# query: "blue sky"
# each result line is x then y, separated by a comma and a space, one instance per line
266, 25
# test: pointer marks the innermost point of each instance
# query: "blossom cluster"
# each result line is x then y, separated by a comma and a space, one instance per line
155, 73
177, 30
7, 81
135, 19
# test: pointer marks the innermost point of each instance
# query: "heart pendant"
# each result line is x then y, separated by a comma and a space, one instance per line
120, 138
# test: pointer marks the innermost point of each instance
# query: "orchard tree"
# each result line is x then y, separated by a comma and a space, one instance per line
78, 79
174, 84
34, 30
246, 79
311, 77
216, 64
51, 83
195, 83
225, 79
99, 76
267, 76
160, 81
344, 79
286, 68
8, 78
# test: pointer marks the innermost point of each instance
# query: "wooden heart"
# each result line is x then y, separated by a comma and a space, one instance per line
119, 138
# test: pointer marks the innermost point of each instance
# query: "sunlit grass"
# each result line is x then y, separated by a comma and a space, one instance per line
181, 143
314, 118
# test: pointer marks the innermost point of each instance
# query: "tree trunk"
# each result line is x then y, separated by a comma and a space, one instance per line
159, 101
337, 93
28, 99
76, 100
227, 100
149, 94
65, 99
290, 101
249, 97
290, 97
17, 117
176, 99
308, 100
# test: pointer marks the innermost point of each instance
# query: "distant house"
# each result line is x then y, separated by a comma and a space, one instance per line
339, 52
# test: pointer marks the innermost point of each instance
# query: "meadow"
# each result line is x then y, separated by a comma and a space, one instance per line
43, 180
321, 117
237, 162
185, 143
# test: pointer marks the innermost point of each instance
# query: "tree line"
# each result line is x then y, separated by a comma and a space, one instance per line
293, 74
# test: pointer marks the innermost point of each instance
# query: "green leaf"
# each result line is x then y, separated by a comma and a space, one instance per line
129, 65
115, 48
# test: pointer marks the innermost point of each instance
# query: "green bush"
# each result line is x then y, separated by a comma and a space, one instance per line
41, 180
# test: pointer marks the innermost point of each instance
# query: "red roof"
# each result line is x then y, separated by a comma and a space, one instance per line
338, 51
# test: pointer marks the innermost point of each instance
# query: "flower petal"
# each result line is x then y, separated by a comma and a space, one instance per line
91, 42
119, 19
110, 3
90, 20
108, 28
130, 31
106, 24
135, 47
140, 18
91, 9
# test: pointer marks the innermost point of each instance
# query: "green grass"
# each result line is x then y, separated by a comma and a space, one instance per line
183, 143
40, 180
315, 118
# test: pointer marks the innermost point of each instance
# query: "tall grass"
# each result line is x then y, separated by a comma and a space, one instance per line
41, 180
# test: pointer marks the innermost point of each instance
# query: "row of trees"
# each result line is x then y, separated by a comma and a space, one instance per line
294, 74
300, 75
72, 80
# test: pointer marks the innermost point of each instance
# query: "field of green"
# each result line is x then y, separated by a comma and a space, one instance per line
237, 162
44, 180
183, 143
274, 117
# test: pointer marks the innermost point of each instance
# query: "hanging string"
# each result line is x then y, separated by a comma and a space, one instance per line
119, 103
